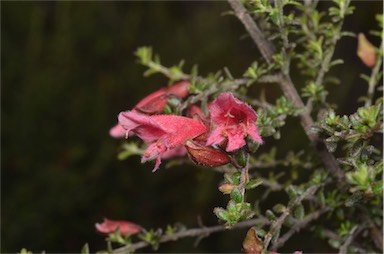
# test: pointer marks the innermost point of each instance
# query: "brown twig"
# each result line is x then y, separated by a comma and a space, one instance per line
298, 226
267, 50
332, 235
351, 236
193, 232
373, 80
276, 225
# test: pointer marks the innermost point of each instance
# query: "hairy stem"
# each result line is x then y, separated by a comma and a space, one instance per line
276, 225
267, 50
298, 226
351, 236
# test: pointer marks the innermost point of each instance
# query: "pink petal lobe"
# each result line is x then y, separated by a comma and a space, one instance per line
117, 131
143, 126
235, 142
254, 134
178, 129
215, 137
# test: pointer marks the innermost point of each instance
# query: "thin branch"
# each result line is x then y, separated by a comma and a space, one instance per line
289, 90
193, 232
266, 49
298, 226
376, 234
373, 80
284, 35
332, 235
351, 236
276, 225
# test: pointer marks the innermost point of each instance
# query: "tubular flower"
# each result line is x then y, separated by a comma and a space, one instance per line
232, 120
154, 103
110, 226
164, 132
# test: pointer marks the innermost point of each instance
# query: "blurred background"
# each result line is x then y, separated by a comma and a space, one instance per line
68, 69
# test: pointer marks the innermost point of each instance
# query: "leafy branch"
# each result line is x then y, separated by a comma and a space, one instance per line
289, 90
193, 232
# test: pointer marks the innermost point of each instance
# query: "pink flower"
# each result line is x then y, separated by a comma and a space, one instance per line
110, 226
232, 120
154, 103
164, 132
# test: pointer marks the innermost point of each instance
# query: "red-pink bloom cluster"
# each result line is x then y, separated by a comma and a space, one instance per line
204, 138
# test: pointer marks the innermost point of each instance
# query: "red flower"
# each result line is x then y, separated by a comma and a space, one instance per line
110, 226
164, 132
232, 120
154, 103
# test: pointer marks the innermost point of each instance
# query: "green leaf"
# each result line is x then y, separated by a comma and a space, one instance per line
299, 212
221, 213
279, 208
236, 195
253, 184
270, 215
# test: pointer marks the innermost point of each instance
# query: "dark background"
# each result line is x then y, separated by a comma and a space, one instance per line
68, 69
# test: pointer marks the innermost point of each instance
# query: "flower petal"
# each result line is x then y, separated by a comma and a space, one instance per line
215, 137
143, 126
235, 141
254, 134
117, 131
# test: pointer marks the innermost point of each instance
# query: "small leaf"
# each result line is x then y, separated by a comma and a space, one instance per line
221, 213
253, 184
299, 212
270, 215
236, 195
278, 208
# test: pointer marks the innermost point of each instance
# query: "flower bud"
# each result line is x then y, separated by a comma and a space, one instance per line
366, 51
154, 106
226, 188
179, 89
206, 156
